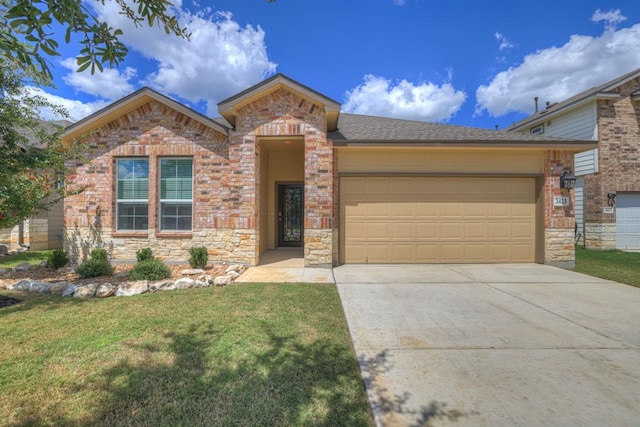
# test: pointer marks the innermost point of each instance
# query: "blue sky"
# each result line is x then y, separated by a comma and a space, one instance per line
471, 63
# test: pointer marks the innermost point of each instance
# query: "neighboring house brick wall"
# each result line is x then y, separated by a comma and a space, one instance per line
619, 160
153, 130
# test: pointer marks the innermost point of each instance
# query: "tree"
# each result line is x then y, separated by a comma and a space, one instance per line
26, 36
32, 161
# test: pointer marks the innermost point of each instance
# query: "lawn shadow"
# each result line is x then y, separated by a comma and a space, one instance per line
29, 301
389, 406
202, 377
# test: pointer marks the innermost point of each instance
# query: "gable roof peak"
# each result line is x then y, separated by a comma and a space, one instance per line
228, 108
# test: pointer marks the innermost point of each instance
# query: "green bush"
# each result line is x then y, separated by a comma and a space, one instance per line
100, 255
199, 257
57, 259
144, 254
94, 268
150, 269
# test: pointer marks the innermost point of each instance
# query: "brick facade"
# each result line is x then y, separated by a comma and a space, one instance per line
223, 220
230, 195
618, 122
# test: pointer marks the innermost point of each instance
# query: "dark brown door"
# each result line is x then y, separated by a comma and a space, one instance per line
290, 215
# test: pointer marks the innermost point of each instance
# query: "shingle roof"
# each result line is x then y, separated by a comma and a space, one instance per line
354, 128
603, 89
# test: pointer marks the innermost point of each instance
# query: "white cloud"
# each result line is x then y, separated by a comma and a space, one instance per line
557, 73
503, 42
399, 2
425, 101
76, 109
610, 18
109, 84
221, 59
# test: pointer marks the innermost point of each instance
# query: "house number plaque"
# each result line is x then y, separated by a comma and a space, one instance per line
560, 201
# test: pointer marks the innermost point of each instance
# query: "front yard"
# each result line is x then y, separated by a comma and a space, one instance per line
251, 354
619, 266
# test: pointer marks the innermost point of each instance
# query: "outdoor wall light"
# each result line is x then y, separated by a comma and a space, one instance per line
611, 199
567, 180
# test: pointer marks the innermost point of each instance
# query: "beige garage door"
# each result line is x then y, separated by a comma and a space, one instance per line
437, 220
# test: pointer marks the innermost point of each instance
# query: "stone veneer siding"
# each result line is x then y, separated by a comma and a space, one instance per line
9, 237
559, 222
221, 220
281, 114
619, 163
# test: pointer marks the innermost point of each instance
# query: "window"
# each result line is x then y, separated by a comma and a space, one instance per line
176, 194
537, 130
132, 194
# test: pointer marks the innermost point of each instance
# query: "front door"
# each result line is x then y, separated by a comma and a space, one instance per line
290, 214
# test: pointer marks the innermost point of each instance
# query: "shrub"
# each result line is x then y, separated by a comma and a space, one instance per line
94, 268
199, 257
100, 255
144, 254
57, 259
150, 269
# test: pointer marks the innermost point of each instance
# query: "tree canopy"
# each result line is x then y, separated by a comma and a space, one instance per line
27, 38
33, 165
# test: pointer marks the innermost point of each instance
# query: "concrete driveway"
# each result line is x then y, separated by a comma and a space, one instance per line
494, 345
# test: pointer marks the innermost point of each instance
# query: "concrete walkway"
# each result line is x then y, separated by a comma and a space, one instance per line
285, 265
494, 345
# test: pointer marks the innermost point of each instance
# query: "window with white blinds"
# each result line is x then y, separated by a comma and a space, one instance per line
176, 194
132, 194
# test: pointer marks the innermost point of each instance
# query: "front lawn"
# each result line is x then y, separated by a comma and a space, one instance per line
619, 266
250, 354
32, 257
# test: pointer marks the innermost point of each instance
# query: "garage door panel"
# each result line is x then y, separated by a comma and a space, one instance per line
475, 210
451, 209
628, 221
449, 230
444, 220
403, 209
426, 231
425, 209
378, 231
475, 230
403, 231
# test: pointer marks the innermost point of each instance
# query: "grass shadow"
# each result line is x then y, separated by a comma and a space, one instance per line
201, 376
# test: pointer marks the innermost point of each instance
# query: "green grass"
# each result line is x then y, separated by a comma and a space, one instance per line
251, 354
619, 266
32, 257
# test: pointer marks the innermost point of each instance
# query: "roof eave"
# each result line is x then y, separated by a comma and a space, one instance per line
544, 115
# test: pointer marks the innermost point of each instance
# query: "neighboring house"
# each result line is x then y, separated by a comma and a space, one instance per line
284, 167
608, 188
43, 230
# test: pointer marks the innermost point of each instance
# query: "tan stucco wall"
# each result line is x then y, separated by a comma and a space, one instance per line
429, 160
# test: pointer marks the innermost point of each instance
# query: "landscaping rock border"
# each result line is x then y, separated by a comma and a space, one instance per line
192, 278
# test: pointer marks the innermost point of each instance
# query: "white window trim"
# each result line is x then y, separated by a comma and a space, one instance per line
129, 201
177, 201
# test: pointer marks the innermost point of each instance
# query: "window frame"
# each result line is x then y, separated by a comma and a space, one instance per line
176, 202
119, 201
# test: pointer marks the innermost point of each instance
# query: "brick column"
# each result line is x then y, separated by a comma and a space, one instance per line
559, 221
319, 201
